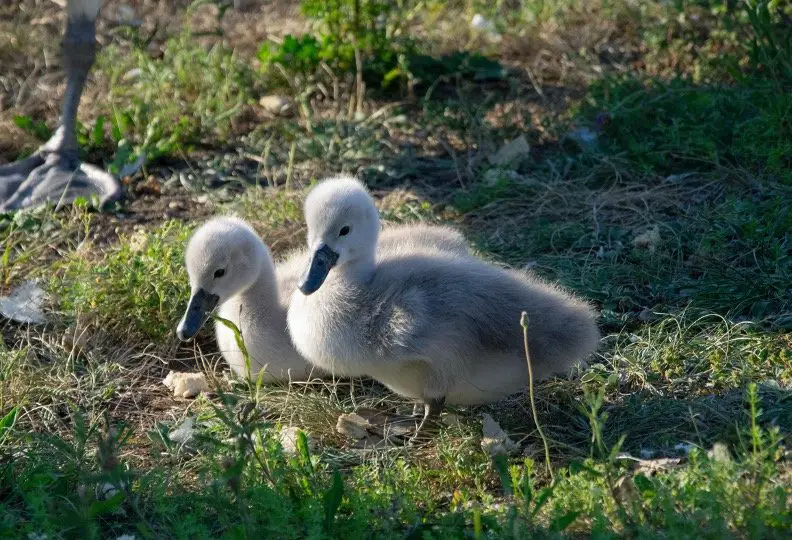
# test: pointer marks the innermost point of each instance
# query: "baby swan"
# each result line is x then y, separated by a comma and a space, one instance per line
229, 266
432, 326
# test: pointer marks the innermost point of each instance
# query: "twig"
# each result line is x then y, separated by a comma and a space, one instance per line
336, 90
524, 324
290, 169
450, 149
360, 85
535, 83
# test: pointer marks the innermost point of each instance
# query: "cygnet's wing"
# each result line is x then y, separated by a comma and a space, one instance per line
460, 310
398, 240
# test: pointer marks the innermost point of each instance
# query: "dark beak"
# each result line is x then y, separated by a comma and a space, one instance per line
322, 261
201, 304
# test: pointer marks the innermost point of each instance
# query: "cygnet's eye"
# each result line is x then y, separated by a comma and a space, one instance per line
219, 273
344, 230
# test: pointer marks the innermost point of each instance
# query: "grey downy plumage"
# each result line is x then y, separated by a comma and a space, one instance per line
433, 326
231, 269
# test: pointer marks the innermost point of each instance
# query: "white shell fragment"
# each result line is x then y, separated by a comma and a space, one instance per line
186, 385
495, 441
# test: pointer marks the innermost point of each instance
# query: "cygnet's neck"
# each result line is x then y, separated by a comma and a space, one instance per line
261, 317
360, 270
263, 293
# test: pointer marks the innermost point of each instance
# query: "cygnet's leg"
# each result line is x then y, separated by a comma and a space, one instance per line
435, 388
432, 409
55, 173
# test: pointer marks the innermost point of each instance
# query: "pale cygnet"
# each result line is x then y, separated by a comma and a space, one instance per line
231, 268
435, 327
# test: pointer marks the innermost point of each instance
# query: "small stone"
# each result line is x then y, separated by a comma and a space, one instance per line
186, 385
512, 152
352, 425
646, 315
171, 184
648, 240
183, 433
496, 175
24, 304
583, 138
125, 15
176, 205
277, 105
650, 467
485, 26
771, 384
151, 186
105, 491
138, 242
132, 75
479, 22
188, 181
683, 448
451, 420
679, 178
156, 50
720, 452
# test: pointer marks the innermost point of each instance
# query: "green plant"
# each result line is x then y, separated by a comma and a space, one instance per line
37, 128
749, 33
142, 277
670, 126
369, 38
162, 107
771, 43
354, 36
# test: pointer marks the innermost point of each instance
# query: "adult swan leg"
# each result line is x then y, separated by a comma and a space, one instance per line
54, 173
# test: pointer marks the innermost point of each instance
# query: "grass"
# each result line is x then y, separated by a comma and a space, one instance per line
656, 186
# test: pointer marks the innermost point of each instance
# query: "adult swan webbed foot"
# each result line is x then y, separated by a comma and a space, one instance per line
54, 173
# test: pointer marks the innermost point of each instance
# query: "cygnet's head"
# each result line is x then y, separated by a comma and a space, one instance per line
224, 257
343, 224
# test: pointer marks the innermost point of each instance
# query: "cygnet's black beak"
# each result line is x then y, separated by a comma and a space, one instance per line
322, 261
201, 304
